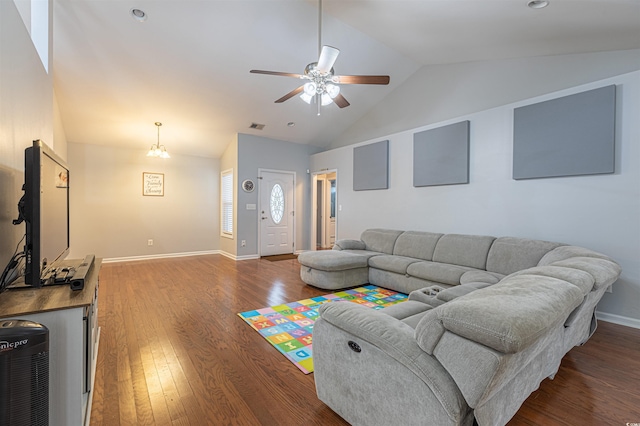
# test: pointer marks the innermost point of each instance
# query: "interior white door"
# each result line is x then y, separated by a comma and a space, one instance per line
276, 213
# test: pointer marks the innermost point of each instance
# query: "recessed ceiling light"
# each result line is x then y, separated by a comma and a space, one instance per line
537, 4
139, 15
291, 124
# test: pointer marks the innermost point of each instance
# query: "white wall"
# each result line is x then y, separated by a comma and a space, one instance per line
26, 111
228, 161
598, 212
112, 219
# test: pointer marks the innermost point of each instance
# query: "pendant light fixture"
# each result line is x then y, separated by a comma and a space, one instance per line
158, 150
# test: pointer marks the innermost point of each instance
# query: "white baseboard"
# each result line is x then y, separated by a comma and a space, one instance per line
618, 319
159, 256
238, 258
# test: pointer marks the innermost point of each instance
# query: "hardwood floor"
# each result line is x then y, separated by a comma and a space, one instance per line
174, 352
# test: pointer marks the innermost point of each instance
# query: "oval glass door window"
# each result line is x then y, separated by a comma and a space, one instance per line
276, 203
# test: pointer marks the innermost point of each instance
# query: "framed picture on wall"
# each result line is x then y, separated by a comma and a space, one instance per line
153, 184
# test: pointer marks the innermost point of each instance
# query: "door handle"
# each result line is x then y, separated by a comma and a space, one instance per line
263, 218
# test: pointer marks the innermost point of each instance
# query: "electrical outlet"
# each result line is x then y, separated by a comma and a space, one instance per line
149, 242
243, 243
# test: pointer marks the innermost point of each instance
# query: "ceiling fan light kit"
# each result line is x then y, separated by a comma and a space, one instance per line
323, 85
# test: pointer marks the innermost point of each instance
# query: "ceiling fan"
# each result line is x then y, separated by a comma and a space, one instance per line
323, 85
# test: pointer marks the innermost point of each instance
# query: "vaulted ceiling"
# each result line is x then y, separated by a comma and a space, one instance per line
187, 65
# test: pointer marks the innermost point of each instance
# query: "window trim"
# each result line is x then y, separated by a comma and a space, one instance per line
226, 202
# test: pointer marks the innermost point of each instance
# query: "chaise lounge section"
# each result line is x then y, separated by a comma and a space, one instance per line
486, 321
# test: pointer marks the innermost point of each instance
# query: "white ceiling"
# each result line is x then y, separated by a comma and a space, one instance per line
188, 64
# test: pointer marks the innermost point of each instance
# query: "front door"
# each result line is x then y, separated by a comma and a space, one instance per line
276, 212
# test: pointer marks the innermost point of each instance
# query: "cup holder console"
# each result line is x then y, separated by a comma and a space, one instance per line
432, 291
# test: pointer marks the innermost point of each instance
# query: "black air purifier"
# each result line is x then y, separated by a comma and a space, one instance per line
24, 373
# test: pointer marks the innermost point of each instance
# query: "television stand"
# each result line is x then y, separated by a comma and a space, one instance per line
72, 320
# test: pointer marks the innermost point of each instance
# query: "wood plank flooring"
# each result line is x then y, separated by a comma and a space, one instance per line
174, 352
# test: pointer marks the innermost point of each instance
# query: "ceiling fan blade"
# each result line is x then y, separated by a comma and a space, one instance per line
361, 79
284, 74
328, 57
290, 95
341, 101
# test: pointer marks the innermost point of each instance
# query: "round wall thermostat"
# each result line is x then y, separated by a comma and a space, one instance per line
248, 185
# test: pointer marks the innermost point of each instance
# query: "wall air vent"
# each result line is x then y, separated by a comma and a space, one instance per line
256, 126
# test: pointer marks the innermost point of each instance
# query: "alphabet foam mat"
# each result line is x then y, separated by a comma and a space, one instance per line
289, 327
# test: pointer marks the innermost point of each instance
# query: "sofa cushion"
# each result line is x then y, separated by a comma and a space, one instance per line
364, 253
407, 311
420, 245
397, 264
463, 250
481, 277
333, 280
508, 316
380, 240
330, 260
438, 272
508, 254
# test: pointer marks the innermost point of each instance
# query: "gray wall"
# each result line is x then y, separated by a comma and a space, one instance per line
440, 92
255, 152
112, 219
26, 113
599, 212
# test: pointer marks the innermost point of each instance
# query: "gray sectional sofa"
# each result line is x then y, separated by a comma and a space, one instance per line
486, 321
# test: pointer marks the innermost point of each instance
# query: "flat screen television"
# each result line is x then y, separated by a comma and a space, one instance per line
45, 211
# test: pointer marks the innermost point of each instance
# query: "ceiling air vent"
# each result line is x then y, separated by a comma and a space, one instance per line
256, 126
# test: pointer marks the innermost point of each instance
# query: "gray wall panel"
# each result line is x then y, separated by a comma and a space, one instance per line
569, 136
371, 166
441, 155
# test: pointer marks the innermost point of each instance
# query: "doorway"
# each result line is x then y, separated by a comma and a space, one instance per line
277, 205
325, 210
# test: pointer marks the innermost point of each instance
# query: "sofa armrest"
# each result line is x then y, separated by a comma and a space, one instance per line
375, 327
501, 340
507, 317
349, 245
373, 330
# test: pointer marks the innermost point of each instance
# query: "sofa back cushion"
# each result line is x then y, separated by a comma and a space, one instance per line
565, 252
463, 250
419, 245
380, 240
509, 254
